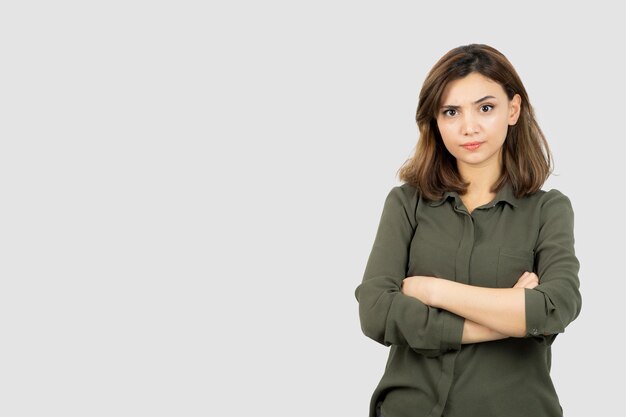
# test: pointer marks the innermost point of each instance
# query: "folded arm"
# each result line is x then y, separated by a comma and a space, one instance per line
500, 309
476, 333
556, 301
544, 310
386, 314
483, 312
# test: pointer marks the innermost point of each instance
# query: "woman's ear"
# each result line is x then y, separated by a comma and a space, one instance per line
515, 107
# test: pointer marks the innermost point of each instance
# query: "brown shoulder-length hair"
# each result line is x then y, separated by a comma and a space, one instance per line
526, 158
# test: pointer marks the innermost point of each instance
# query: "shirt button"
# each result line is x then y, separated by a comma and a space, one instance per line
534, 331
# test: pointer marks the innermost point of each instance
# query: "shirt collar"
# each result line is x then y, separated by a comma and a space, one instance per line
505, 194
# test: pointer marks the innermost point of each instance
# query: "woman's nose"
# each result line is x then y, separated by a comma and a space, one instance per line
469, 126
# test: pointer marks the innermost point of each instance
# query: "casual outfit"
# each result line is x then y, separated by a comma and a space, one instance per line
429, 373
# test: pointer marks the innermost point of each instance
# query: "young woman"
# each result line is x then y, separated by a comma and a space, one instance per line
472, 273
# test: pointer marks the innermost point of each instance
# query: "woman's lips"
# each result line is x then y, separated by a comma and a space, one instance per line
472, 146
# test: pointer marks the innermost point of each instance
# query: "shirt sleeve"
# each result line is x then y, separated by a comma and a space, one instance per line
556, 301
386, 314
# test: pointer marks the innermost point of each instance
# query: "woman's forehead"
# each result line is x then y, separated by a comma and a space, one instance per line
470, 89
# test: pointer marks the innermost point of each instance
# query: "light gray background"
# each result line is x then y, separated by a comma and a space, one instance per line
189, 194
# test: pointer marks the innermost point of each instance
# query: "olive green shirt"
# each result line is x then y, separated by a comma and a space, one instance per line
429, 373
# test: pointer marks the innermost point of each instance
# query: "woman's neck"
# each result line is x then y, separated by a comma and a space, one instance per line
481, 179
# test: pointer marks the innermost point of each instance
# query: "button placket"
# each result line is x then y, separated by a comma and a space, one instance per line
464, 252
465, 248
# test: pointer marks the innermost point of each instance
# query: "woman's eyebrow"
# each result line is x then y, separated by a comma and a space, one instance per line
450, 106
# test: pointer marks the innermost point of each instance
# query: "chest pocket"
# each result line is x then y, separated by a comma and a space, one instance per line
512, 263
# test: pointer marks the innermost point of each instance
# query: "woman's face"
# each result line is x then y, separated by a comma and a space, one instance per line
475, 110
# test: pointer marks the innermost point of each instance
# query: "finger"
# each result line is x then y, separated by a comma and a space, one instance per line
528, 279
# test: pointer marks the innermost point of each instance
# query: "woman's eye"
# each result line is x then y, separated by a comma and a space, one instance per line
447, 112
488, 106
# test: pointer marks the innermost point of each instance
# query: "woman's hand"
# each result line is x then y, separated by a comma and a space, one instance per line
420, 287
527, 280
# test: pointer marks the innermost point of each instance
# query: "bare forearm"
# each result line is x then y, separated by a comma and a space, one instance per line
500, 309
476, 333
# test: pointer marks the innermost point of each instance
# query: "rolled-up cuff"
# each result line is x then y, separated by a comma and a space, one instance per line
535, 312
452, 333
